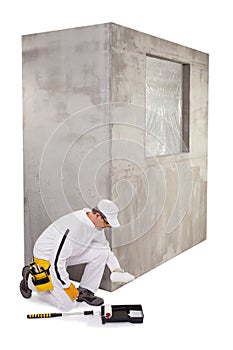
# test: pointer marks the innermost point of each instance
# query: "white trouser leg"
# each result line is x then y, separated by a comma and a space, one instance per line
56, 297
96, 258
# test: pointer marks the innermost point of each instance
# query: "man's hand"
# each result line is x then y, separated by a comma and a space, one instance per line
120, 276
72, 292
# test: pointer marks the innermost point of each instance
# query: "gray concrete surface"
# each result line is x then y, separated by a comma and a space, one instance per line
84, 100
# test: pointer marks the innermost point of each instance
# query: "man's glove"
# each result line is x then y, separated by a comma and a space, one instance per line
120, 276
72, 292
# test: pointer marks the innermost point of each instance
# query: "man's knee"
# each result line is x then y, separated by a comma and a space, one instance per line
66, 306
65, 303
62, 300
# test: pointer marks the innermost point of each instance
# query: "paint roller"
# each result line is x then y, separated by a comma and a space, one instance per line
108, 313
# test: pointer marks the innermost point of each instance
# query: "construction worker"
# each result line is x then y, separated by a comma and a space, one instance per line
73, 239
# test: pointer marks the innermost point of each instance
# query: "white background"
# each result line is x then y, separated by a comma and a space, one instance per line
187, 301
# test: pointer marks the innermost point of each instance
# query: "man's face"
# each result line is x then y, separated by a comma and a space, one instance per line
100, 222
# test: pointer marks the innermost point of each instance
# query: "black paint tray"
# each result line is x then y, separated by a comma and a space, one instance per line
123, 313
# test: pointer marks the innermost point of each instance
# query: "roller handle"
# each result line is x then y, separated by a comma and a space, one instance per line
53, 314
89, 312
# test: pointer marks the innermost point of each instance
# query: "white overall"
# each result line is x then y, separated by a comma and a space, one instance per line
73, 240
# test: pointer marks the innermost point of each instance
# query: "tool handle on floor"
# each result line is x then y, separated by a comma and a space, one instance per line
88, 312
49, 315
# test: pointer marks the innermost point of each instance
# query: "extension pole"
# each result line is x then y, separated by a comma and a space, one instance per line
61, 314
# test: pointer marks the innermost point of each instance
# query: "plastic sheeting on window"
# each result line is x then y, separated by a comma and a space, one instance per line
163, 107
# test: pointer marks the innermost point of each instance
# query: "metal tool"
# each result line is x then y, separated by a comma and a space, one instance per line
61, 314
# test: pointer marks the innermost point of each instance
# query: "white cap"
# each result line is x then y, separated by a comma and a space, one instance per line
110, 210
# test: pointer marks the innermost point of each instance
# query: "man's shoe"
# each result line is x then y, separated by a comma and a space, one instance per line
89, 297
25, 291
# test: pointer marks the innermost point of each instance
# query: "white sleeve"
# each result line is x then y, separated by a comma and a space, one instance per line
112, 260
61, 252
100, 239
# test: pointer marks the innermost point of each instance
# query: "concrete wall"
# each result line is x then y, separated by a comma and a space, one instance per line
84, 138
166, 212
65, 95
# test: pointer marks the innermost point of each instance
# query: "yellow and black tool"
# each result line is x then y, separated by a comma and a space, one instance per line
60, 314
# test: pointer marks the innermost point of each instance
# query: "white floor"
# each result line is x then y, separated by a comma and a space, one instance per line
187, 303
